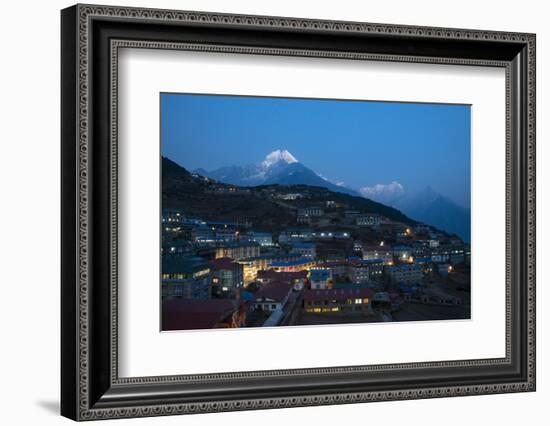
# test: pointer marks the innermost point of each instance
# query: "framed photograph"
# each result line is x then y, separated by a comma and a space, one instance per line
263, 212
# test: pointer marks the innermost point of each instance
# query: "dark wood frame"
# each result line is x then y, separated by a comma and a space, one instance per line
90, 386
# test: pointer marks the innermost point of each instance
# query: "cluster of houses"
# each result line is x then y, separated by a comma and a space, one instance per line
219, 274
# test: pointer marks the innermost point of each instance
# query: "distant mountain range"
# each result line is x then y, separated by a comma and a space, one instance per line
427, 206
280, 167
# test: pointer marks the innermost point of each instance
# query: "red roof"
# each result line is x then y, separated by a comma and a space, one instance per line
192, 314
273, 275
337, 294
276, 291
224, 263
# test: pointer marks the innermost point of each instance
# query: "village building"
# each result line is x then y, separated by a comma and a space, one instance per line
320, 279
338, 301
440, 255
370, 220
264, 239
300, 264
295, 235
203, 234
172, 216
306, 250
272, 296
185, 278
339, 269
364, 271
297, 279
378, 252
227, 277
238, 250
403, 253
404, 273
329, 235
253, 265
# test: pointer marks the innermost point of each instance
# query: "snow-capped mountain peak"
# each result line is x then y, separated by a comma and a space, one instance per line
279, 167
277, 156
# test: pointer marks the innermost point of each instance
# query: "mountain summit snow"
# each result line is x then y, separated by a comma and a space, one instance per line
278, 167
277, 156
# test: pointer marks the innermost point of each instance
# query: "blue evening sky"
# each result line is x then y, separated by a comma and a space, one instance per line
361, 143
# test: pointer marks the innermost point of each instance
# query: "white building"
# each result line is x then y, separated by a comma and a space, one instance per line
384, 253
372, 220
320, 279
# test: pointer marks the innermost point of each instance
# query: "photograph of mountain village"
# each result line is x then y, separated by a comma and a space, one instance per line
308, 212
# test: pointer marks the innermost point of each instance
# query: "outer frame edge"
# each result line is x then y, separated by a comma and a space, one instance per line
84, 413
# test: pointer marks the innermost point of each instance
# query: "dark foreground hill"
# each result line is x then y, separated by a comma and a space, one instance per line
208, 199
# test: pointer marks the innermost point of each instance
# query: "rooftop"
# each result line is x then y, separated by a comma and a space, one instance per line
276, 291
303, 245
235, 244
301, 261
224, 263
190, 314
338, 293
272, 275
173, 264
320, 274
268, 256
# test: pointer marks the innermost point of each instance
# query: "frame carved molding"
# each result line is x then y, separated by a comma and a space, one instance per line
86, 14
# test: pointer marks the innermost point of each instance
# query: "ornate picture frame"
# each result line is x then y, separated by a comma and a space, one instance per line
91, 37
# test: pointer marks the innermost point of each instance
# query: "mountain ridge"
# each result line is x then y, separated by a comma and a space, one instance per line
200, 196
278, 167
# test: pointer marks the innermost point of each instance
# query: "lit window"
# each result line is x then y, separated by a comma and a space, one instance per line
358, 301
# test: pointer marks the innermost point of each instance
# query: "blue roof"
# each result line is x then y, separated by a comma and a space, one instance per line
320, 274
303, 245
246, 295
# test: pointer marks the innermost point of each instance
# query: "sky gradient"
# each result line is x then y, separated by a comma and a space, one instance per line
360, 143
